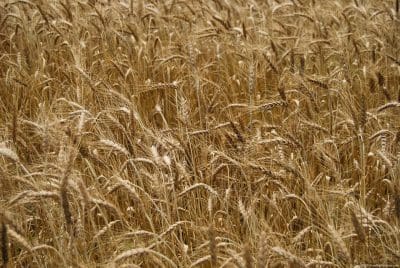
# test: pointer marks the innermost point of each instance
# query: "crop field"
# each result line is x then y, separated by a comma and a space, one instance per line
199, 133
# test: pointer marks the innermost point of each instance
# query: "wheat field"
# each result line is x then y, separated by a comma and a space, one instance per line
199, 133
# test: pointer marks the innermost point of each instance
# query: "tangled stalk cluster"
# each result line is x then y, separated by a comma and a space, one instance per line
204, 133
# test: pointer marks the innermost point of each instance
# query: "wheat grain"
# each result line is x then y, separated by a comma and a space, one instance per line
7, 152
289, 256
198, 185
139, 251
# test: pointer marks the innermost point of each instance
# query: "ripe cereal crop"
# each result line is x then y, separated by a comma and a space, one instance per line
199, 133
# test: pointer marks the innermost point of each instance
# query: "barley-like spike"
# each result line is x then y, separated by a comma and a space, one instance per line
358, 227
237, 132
262, 251
64, 195
19, 238
273, 67
318, 83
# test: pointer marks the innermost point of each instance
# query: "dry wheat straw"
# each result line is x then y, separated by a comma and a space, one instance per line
212, 246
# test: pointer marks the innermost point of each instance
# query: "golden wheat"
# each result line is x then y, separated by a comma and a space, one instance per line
199, 133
